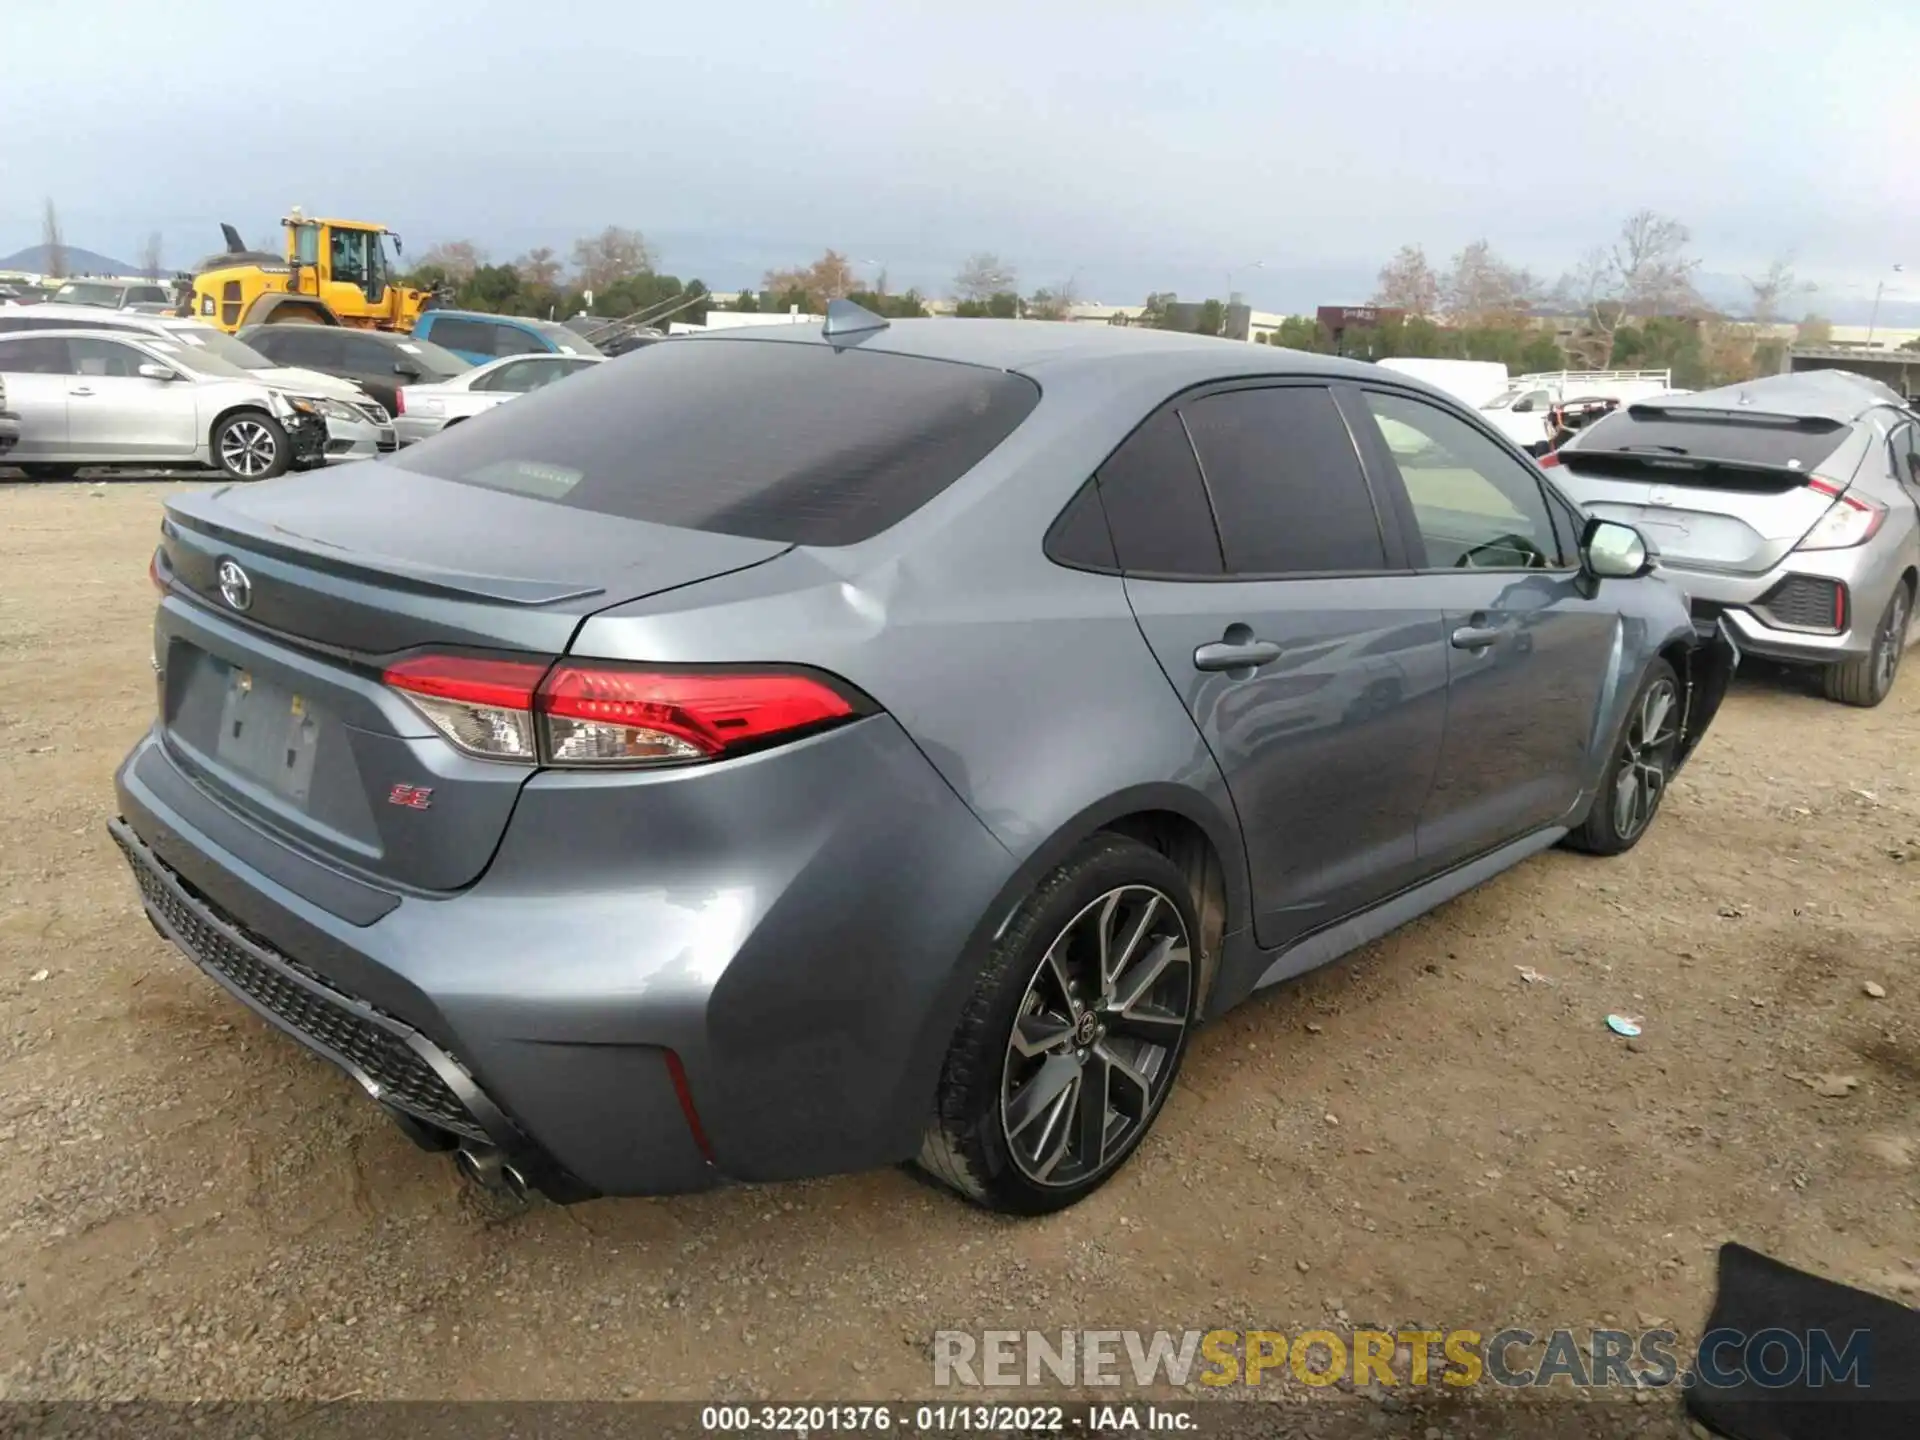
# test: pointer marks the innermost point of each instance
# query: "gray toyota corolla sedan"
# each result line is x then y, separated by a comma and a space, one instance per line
787, 752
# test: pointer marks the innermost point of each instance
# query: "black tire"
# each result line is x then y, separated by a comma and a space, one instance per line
1612, 827
1869, 680
251, 438
50, 472
1000, 1099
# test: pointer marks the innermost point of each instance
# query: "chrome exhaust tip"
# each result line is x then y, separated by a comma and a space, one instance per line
490, 1170
515, 1182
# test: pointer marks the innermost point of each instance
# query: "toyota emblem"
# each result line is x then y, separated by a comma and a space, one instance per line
236, 586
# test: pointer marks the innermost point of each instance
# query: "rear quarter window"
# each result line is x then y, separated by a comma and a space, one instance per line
774, 440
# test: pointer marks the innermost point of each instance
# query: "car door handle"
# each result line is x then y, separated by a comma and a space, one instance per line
80, 390
1475, 637
1235, 655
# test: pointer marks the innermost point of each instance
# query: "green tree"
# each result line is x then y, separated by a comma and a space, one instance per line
491, 287
894, 307
1300, 332
1001, 305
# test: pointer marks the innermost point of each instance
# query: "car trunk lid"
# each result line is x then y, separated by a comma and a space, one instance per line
286, 601
1712, 490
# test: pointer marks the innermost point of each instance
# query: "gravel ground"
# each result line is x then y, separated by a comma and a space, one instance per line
194, 1207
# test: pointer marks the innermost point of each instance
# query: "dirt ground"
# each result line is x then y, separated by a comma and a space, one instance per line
191, 1206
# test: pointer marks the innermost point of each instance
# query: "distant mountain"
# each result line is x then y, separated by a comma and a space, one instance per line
78, 262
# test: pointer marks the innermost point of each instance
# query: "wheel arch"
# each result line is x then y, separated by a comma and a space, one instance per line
238, 407
1179, 822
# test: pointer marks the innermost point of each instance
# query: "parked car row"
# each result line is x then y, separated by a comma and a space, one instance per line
931, 724
108, 404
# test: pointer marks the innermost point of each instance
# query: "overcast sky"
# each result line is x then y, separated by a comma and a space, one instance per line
1130, 145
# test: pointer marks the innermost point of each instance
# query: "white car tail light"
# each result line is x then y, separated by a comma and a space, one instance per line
574, 714
1849, 521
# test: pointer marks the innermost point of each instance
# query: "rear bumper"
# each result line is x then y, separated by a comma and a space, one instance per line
775, 923
1769, 614
395, 1064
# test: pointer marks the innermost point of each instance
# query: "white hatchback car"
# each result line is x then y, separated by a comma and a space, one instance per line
117, 398
425, 410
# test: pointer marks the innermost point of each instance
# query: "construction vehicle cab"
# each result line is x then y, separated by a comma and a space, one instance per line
334, 272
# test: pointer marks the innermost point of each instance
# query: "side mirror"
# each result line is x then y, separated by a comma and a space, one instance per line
1610, 550
411, 372
151, 371
1523, 407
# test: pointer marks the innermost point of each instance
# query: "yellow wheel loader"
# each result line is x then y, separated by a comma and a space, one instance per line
334, 272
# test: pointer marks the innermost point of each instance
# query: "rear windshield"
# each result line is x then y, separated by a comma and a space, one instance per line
771, 439
1771, 441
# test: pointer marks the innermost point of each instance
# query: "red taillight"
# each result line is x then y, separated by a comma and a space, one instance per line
1550, 459
484, 706
1849, 521
400, 402
575, 714
596, 715
154, 573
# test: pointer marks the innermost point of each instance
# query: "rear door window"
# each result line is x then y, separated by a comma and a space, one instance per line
35, 356
1156, 504
777, 440
1904, 451
1288, 492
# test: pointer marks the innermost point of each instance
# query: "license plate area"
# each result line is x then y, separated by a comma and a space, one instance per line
268, 733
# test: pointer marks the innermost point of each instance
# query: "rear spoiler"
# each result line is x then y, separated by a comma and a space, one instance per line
201, 512
1812, 424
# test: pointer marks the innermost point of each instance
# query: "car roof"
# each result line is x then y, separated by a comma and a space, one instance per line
529, 321
1044, 347
1838, 395
55, 310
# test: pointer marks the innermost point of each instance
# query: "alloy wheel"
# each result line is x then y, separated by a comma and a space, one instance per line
1646, 759
1096, 1036
1891, 640
248, 448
